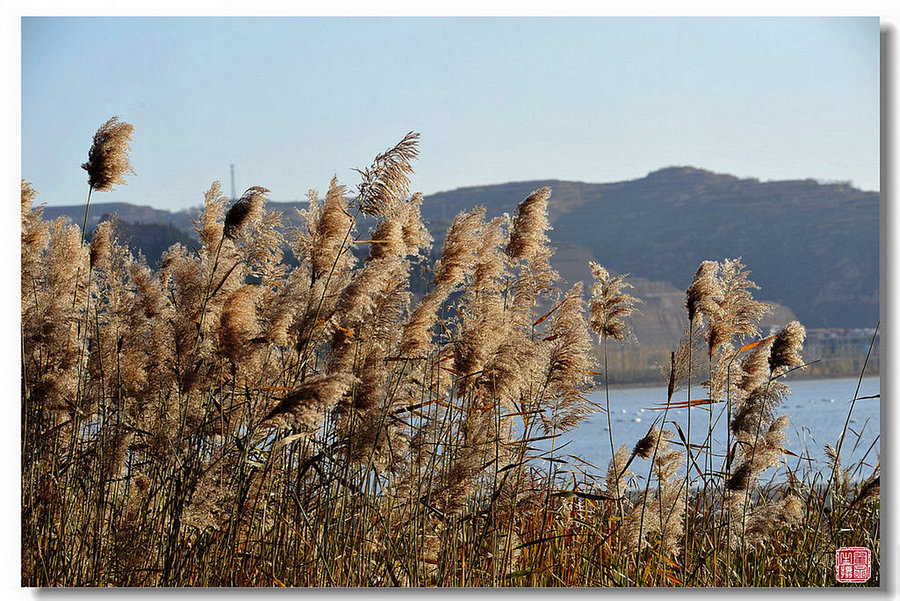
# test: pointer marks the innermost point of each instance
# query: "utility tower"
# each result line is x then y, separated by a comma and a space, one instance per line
233, 192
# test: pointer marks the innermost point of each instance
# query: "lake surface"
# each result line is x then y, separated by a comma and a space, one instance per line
818, 410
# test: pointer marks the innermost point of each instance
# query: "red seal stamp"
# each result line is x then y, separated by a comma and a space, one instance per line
852, 564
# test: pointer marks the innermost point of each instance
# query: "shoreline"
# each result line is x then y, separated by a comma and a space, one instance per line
797, 378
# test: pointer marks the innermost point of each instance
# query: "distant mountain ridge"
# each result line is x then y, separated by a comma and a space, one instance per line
812, 247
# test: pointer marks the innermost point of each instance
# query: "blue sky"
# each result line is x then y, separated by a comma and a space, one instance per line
292, 101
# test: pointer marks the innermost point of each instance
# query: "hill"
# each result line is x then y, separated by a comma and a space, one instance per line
812, 247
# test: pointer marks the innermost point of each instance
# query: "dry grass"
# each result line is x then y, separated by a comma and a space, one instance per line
230, 421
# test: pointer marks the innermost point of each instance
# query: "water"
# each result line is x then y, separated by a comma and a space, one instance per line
817, 408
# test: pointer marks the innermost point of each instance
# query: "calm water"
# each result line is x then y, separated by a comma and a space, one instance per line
817, 410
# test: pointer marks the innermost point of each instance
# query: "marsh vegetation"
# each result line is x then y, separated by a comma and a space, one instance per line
229, 420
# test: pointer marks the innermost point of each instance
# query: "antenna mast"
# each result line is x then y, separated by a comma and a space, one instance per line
233, 193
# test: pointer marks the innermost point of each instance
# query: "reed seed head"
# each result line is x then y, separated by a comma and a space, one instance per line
739, 313
754, 368
101, 242
529, 226
616, 474
610, 304
35, 232
786, 347
705, 292
239, 323
645, 446
456, 262
387, 179
304, 405
28, 194
871, 489
569, 361
247, 207
108, 159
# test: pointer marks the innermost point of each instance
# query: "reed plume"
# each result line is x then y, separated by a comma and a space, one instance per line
27, 202
34, 240
530, 225
208, 225
518, 361
738, 314
646, 446
51, 322
305, 405
754, 370
457, 260
659, 511
529, 244
372, 308
483, 324
108, 160
785, 353
35, 231
760, 436
617, 473
239, 324
705, 293
569, 361
247, 208
100, 243
610, 304
327, 224
870, 489
214, 497
785, 514
387, 179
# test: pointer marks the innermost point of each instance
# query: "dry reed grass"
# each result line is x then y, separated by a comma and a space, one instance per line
229, 421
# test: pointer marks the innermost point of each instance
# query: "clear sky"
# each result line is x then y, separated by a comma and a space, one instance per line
292, 101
